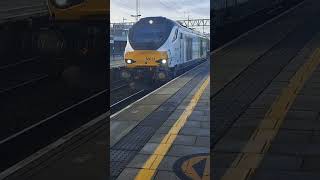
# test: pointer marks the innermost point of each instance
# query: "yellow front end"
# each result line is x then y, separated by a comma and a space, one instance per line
89, 9
145, 58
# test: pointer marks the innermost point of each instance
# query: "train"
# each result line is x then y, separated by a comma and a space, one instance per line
78, 28
158, 49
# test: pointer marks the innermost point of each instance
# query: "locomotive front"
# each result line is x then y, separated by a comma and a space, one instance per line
148, 49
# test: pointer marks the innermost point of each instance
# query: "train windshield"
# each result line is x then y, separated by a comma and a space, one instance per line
150, 33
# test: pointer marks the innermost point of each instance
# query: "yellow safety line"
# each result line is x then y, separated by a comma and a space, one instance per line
150, 166
246, 163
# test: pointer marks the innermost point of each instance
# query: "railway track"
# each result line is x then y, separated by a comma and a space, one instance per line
21, 74
31, 139
32, 115
22, 144
123, 94
118, 84
26, 73
15, 64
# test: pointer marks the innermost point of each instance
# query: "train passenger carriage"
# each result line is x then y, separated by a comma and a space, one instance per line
158, 48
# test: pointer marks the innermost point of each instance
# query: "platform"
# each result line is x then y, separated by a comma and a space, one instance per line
155, 136
265, 109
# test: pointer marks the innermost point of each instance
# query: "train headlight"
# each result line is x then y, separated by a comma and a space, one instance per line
164, 61
129, 61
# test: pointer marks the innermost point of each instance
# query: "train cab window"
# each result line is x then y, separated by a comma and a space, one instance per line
150, 36
175, 35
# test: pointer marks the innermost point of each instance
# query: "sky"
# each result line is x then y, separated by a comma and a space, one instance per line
172, 9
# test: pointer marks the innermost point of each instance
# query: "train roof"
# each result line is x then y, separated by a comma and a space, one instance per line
178, 24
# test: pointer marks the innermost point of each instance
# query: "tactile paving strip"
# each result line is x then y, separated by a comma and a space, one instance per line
228, 104
158, 118
119, 155
116, 171
138, 136
134, 141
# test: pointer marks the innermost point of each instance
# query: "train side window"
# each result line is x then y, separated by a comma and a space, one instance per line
175, 35
181, 36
